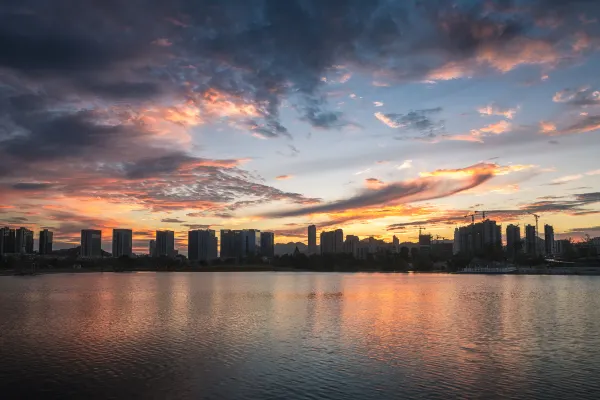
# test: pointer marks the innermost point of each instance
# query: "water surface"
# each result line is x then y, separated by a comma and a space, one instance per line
299, 336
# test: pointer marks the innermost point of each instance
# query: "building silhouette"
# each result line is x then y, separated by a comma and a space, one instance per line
91, 243
202, 245
7, 240
23, 241
351, 245
531, 240
240, 243
513, 240
227, 243
475, 238
152, 248
45, 244
122, 243
312, 239
549, 239
165, 244
267, 244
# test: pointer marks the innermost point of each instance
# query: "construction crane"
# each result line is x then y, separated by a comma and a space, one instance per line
537, 217
472, 216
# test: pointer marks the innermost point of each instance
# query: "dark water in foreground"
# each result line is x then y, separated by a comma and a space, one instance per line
299, 336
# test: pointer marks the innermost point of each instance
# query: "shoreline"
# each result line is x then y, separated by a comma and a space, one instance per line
261, 268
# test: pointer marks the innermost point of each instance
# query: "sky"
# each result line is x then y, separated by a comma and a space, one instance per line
376, 116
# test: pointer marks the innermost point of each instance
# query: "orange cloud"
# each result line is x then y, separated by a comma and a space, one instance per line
518, 52
284, 177
373, 183
497, 128
475, 170
547, 127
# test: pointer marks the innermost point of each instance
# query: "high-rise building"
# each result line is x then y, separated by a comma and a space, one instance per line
152, 248
395, 244
530, 240
424, 244
339, 241
267, 244
122, 243
475, 238
312, 239
327, 242
332, 242
91, 243
7, 240
351, 245
240, 243
513, 240
24, 241
202, 245
250, 242
227, 243
45, 245
549, 239
165, 244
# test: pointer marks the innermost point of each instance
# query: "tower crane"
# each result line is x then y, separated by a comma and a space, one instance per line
537, 217
472, 216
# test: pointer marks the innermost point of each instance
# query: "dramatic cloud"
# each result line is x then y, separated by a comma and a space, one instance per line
428, 187
418, 120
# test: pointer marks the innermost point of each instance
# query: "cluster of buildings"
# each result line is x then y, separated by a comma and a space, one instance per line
334, 242
20, 241
477, 237
203, 245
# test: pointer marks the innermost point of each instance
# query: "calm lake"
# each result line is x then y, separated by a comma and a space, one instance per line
299, 336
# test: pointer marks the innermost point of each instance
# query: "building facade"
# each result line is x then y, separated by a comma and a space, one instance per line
267, 244
152, 248
202, 245
513, 240
7, 240
23, 241
165, 244
351, 245
549, 239
240, 243
312, 239
45, 244
530, 240
122, 243
91, 243
332, 242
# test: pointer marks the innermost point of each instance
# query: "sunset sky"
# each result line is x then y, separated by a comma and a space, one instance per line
372, 116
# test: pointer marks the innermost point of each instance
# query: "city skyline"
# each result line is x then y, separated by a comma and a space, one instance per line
375, 125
